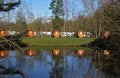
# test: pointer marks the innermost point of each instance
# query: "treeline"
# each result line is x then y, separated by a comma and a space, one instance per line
95, 16
110, 21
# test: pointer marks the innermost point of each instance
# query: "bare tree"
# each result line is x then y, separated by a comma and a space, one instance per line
38, 24
24, 13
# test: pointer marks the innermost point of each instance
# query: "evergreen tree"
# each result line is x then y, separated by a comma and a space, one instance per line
57, 11
5, 7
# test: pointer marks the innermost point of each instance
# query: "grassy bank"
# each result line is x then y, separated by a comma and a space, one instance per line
41, 47
56, 41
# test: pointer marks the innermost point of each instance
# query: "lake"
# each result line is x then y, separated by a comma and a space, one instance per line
57, 63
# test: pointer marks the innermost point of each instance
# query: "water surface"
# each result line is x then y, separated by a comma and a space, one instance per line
47, 64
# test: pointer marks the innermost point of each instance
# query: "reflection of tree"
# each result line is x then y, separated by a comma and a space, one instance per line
10, 71
30, 63
111, 66
58, 67
108, 64
41, 56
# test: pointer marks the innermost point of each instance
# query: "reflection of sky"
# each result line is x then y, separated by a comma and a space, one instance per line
78, 66
41, 65
37, 68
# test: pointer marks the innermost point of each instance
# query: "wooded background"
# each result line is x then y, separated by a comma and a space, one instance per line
96, 17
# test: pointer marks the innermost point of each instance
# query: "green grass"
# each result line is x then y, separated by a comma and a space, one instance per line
58, 47
56, 41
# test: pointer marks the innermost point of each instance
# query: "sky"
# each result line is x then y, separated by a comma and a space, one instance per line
39, 7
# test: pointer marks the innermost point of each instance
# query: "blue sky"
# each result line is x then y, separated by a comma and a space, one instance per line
40, 7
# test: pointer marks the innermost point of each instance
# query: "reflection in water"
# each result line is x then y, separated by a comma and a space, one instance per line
65, 65
106, 52
80, 52
30, 53
56, 52
109, 65
10, 71
3, 53
57, 67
